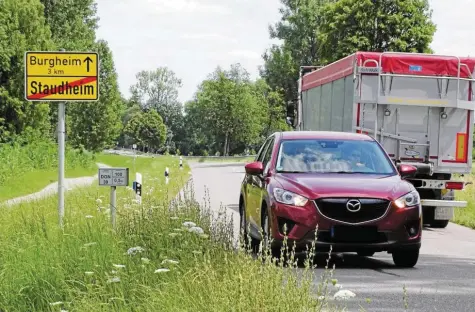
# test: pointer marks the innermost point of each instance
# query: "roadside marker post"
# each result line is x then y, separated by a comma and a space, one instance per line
60, 76
167, 174
134, 147
138, 187
113, 177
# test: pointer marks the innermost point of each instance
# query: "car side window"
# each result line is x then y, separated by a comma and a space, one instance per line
262, 152
268, 154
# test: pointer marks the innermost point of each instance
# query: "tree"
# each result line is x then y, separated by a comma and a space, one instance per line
73, 23
298, 28
97, 125
147, 129
22, 28
272, 103
227, 108
158, 90
375, 25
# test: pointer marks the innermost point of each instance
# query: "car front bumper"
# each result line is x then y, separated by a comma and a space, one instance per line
397, 229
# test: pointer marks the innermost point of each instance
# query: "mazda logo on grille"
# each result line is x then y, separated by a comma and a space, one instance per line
353, 205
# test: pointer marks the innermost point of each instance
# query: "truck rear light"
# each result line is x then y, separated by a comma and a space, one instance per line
454, 185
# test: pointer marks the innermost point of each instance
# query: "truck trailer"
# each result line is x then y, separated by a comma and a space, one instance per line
419, 107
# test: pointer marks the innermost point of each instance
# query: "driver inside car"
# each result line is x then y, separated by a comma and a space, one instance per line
354, 157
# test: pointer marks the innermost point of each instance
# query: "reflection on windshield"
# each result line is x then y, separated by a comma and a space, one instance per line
333, 156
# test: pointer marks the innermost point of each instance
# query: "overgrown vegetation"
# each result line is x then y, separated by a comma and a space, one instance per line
466, 216
29, 168
165, 255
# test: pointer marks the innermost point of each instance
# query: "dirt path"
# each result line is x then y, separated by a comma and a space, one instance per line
70, 183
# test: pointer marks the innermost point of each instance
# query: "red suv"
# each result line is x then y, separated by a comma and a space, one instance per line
343, 182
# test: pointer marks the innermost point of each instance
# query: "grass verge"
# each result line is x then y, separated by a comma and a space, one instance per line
466, 216
28, 169
155, 260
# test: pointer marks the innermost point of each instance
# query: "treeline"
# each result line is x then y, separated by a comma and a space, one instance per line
229, 113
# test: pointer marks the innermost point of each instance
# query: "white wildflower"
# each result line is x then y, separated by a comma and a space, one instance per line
196, 229
169, 261
119, 266
89, 217
56, 303
161, 270
145, 260
114, 272
189, 224
114, 280
135, 250
174, 218
89, 273
344, 294
63, 310
99, 201
338, 286
321, 298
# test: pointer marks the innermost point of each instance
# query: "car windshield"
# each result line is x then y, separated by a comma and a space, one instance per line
333, 156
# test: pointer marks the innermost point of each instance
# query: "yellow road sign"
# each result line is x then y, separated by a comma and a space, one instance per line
61, 76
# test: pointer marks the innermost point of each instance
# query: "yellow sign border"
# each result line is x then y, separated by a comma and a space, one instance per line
64, 53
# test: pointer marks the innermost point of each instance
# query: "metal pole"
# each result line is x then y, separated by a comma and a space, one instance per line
113, 205
61, 143
61, 148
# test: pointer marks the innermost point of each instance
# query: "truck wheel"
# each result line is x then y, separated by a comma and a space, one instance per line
439, 224
405, 258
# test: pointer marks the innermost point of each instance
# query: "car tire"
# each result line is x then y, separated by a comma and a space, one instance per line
254, 243
365, 253
405, 258
266, 229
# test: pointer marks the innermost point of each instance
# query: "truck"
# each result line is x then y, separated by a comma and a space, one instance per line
418, 106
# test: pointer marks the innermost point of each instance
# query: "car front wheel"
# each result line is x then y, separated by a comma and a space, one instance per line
406, 258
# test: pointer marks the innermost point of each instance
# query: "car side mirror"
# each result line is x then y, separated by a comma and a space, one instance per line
254, 168
407, 170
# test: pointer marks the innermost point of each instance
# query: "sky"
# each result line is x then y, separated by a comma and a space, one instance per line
193, 37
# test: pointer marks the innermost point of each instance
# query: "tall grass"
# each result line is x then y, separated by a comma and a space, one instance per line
466, 216
26, 169
155, 260
42, 155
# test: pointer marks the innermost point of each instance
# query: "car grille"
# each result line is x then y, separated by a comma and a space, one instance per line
336, 209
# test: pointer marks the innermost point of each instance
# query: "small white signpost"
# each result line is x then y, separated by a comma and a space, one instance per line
138, 187
113, 177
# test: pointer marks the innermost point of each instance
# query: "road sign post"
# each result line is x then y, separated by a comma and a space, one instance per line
59, 76
113, 177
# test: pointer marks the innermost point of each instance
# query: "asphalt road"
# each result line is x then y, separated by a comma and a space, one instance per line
443, 279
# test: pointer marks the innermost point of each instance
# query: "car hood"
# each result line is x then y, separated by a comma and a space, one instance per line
314, 186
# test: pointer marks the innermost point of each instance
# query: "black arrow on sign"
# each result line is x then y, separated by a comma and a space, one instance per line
88, 60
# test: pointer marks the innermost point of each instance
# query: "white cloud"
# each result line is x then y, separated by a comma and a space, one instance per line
454, 20
186, 6
208, 36
249, 54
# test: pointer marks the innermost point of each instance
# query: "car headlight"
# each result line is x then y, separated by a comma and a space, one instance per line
409, 200
289, 198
